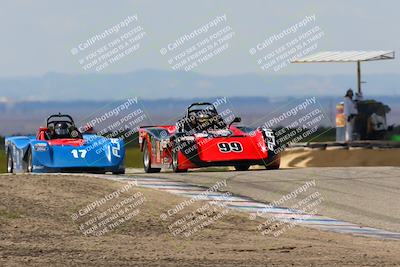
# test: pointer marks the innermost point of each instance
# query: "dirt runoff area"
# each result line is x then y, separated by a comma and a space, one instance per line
49, 220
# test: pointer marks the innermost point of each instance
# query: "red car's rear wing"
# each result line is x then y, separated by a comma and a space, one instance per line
157, 126
169, 128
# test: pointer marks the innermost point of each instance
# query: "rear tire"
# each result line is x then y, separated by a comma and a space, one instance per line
242, 167
147, 160
175, 162
10, 163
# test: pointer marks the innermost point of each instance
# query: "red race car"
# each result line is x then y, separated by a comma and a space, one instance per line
202, 138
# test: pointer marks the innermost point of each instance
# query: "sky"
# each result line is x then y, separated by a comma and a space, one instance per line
37, 35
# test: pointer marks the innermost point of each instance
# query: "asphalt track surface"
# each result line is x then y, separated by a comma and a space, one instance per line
367, 196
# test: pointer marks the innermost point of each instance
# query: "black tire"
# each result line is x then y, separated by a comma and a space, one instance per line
175, 161
274, 163
122, 171
147, 160
242, 167
97, 172
29, 166
10, 163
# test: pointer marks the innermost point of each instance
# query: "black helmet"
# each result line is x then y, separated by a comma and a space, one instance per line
204, 120
61, 129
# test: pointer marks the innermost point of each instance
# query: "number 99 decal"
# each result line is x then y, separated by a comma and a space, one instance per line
230, 147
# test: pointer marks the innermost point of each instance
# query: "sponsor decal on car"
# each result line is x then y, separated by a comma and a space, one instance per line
40, 147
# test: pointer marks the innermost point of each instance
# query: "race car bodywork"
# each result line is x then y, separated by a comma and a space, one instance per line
79, 153
181, 148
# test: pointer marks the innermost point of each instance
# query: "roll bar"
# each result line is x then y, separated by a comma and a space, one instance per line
67, 118
201, 104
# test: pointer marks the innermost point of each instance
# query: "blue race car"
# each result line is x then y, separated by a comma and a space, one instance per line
61, 147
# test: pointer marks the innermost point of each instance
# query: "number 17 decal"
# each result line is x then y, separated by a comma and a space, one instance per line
230, 147
81, 153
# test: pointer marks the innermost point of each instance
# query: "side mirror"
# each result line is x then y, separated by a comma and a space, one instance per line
236, 119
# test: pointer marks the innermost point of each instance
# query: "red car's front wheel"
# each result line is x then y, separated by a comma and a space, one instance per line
242, 167
273, 163
175, 161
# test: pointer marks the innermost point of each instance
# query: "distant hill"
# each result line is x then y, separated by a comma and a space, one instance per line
154, 84
25, 116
